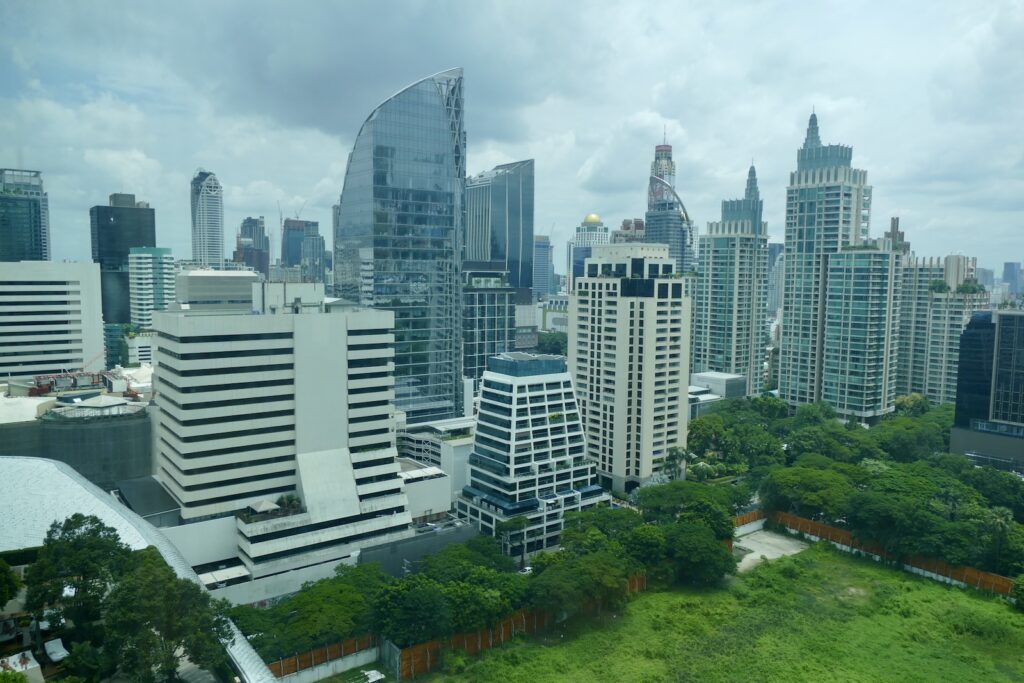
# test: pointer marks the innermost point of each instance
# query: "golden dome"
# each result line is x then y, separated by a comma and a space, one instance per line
592, 218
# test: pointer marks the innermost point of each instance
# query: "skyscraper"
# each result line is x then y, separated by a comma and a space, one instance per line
252, 246
150, 283
1011, 276
589, 233
402, 202
828, 206
207, 220
499, 222
632, 230
732, 285
629, 355
544, 279
861, 330
293, 233
115, 230
667, 221
488, 318
24, 216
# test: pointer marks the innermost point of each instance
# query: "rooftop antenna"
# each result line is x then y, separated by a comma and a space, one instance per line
664, 133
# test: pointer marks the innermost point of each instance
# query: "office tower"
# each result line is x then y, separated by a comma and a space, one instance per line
24, 216
294, 234
292, 398
989, 422
403, 201
629, 354
632, 230
589, 233
667, 221
529, 456
938, 298
775, 250
52, 318
150, 283
776, 284
828, 206
214, 290
115, 230
312, 254
1011, 276
252, 246
544, 279
488, 318
731, 288
861, 330
499, 222
986, 277
207, 220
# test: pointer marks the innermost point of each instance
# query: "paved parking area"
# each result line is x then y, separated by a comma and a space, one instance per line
765, 545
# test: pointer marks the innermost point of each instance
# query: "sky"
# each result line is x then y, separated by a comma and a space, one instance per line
107, 97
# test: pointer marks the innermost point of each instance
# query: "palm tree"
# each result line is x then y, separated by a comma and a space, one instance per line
1000, 520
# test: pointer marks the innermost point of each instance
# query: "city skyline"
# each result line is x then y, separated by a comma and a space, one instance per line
939, 158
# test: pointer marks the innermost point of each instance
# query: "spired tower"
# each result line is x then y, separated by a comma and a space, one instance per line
207, 220
732, 287
667, 221
398, 233
828, 207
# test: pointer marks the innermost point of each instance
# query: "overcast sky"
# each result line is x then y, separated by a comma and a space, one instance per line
106, 97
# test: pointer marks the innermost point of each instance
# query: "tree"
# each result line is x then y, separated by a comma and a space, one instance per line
80, 559
327, 611
603, 578
674, 465
714, 517
412, 610
807, 492
557, 589
912, 405
10, 584
698, 558
152, 615
473, 607
12, 677
556, 343
645, 544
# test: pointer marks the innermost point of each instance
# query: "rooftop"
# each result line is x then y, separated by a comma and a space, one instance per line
23, 408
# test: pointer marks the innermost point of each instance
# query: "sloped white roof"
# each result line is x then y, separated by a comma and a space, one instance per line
38, 492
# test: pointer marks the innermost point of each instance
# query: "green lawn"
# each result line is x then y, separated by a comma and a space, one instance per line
817, 616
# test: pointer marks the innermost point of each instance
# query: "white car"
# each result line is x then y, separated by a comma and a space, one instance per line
55, 650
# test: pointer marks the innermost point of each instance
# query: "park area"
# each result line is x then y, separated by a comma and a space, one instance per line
815, 616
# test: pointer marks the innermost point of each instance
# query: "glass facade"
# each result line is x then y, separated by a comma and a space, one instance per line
207, 220
544, 280
974, 379
667, 221
24, 216
397, 239
488, 319
115, 231
499, 221
1008, 377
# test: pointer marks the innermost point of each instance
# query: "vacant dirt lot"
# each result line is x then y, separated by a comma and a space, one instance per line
767, 544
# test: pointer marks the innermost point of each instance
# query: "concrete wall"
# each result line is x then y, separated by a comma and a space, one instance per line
272, 587
213, 540
337, 666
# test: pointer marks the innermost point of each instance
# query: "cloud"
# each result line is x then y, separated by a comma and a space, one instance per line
114, 95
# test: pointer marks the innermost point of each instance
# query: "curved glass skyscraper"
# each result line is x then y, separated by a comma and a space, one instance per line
396, 242
207, 220
667, 221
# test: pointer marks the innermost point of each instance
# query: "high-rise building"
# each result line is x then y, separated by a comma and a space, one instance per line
402, 206
116, 229
544, 280
776, 283
989, 422
499, 222
252, 246
488, 318
861, 330
205, 289
938, 296
589, 233
1012, 277
312, 251
667, 221
828, 206
24, 216
632, 230
529, 456
629, 354
150, 283
207, 220
775, 250
53, 320
232, 431
294, 233
986, 277
731, 288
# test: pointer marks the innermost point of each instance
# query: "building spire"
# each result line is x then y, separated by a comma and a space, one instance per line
752, 191
812, 139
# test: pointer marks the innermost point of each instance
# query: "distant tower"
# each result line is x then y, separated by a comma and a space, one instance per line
732, 286
590, 233
667, 221
24, 216
207, 220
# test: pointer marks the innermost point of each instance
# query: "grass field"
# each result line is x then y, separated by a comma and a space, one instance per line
817, 616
